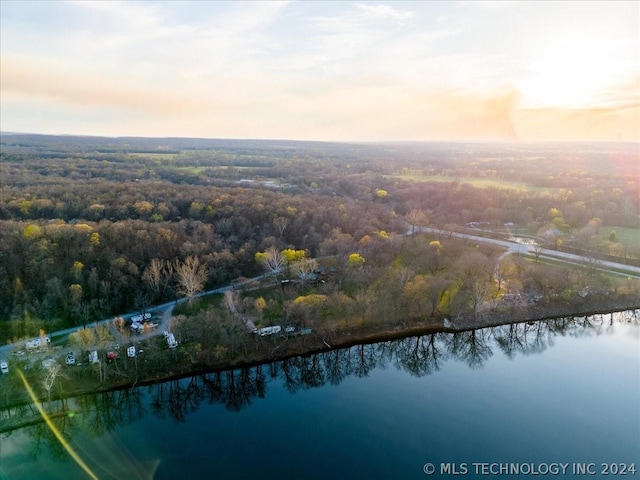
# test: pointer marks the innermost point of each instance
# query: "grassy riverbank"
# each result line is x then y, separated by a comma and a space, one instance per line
157, 363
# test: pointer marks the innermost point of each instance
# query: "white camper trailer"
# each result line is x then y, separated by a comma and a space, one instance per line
93, 356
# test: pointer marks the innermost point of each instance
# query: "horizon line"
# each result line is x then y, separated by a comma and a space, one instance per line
369, 142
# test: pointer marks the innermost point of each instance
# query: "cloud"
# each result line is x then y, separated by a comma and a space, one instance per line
615, 116
456, 115
574, 124
485, 4
383, 11
25, 80
300, 70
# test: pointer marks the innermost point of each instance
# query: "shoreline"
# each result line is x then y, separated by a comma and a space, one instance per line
283, 348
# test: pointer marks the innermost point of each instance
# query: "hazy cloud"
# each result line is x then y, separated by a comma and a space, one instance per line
330, 70
23, 79
384, 11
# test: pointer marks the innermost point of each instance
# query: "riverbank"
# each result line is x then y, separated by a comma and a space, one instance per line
259, 350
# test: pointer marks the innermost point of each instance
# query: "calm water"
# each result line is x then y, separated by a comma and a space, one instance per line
551, 392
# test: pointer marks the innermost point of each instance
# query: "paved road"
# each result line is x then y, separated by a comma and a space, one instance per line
531, 249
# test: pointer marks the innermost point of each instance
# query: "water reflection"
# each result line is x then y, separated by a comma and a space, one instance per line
94, 415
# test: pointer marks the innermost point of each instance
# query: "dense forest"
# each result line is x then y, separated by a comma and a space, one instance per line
91, 227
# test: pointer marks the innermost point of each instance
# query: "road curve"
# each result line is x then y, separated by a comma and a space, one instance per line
521, 248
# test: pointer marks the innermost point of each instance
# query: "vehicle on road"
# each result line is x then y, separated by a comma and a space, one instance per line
4, 367
171, 340
141, 318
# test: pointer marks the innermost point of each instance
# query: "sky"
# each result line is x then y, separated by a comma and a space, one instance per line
331, 71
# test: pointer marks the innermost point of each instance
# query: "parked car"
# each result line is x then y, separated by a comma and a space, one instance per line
71, 358
111, 356
4, 367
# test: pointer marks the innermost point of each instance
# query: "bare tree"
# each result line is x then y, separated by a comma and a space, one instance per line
281, 224
417, 218
157, 277
475, 272
52, 372
191, 276
537, 250
272, 260
304, 269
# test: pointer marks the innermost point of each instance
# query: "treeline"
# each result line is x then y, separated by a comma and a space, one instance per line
82, 218
86, 269
95, 190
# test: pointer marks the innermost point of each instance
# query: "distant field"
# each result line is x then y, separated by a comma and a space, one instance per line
155, 156
625, 236
476, 182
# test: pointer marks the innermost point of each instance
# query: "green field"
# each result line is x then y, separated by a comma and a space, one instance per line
476, 182
154, 156
624, 235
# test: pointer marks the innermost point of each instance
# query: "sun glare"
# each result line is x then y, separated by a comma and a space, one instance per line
574, 72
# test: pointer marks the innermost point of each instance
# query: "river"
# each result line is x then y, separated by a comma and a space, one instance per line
548, 398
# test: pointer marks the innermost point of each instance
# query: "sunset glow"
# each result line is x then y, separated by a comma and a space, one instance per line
365, 71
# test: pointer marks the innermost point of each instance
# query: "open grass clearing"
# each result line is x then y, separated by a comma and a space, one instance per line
624, 235
154, 156
477, 182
